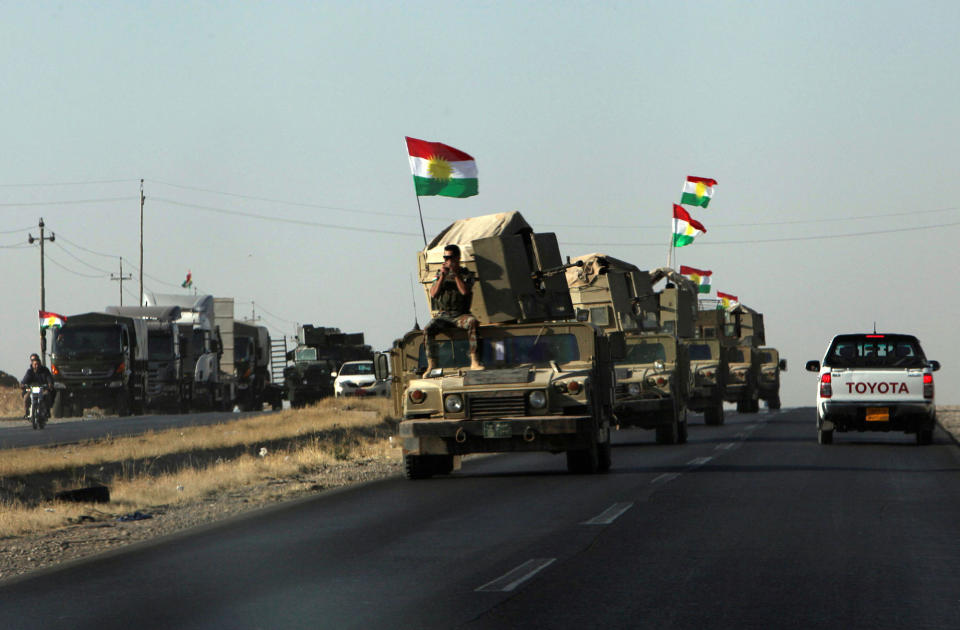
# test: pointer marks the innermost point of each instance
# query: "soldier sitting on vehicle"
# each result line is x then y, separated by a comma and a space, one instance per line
37, 374
450, 296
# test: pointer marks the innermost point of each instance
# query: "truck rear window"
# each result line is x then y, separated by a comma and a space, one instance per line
699, 352
875, 351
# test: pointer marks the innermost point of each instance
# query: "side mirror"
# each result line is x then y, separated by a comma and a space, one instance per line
934, 365
813, 366
381, 366
783, 365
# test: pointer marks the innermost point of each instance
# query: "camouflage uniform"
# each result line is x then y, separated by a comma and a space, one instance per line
453, 310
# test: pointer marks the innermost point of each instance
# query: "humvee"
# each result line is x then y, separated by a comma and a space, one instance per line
770, 367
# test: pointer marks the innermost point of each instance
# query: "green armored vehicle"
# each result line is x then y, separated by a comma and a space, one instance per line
770, 367
319, 353
99, 360
653, 379
546, 382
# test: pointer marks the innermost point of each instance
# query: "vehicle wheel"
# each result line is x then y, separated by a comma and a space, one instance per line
418, 466
604, 456
741, 405
34, 421
123, 403
442, 464
668, 433
924, 437
683, 432
584, 461
58, 405
774, 403
824, 437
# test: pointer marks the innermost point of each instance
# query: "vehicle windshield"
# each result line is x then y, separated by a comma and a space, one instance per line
768, 357
875, 351
355, 369
87, 340
242, 348
306, 354
699, 352
507, 351
644, 352
736, 356
160, 347
197, 346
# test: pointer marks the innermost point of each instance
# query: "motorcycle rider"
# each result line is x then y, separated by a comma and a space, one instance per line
37, 374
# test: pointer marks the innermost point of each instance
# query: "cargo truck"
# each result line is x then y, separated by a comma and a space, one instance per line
165, 384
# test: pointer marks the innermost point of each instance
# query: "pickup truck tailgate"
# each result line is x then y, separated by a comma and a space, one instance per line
877, 385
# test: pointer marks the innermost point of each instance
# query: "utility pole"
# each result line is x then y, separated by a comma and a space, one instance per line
140, 299
121, 278
43, 288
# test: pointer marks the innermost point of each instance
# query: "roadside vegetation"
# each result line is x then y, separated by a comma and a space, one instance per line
271, 455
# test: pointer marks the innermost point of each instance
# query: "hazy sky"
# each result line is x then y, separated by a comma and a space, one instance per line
830, 127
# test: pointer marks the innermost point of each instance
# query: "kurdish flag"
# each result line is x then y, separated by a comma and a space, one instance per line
51, 320
188, 282
685, 228
702, 278
439, 169
727, 300
697, 191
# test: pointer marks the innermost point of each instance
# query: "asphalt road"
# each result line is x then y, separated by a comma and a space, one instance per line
19, 433
750, 525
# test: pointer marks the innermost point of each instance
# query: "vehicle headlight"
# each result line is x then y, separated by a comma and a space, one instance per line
453, 403
658, 365
538, 400
633, 389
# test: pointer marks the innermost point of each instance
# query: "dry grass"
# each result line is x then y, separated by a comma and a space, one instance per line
11, 405
273, 453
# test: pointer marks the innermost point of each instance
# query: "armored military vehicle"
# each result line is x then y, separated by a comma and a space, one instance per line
547, 382
99, 360
653, 379
743, 379
770, 367
313, 363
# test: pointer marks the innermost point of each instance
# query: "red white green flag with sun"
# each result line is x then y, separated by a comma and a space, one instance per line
439, 169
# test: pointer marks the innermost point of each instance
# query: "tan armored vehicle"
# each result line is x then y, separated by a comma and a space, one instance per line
547, 382
653, 380
709, 365
745, 325
770, 367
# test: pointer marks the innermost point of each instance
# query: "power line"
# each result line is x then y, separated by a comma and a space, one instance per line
26, 229
83, 262
84, 183
76, 273
776, 240
89, 251
280, 219
66, 202
16, 246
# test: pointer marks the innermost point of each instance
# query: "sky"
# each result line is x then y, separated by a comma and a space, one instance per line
270, 141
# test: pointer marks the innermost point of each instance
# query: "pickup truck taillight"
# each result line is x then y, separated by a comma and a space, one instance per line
928, 386
54, 370
120, 368
826, 390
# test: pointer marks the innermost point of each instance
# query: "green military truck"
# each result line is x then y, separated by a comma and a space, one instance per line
770, 367
709, 366
99, 360
653, 379
547, 382
251, 364
313, 363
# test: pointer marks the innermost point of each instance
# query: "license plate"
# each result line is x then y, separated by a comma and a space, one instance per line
878, 414
497, 430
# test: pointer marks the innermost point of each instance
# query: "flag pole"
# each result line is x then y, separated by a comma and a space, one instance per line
420, 212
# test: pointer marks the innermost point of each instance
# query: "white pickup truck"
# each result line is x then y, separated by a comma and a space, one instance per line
875, 382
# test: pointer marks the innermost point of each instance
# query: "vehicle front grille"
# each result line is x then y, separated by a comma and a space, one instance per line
79, 373
497, 406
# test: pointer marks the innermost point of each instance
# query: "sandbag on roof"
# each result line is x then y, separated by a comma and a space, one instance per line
464, 231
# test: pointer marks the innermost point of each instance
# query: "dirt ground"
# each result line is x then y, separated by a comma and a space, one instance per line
98, 533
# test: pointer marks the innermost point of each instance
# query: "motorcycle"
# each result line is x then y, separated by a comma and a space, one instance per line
39, 413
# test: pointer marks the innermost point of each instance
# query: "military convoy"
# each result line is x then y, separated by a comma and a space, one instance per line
568, 352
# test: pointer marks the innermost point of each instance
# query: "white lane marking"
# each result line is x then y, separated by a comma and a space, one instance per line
724, 447
609, 515
518, 576
665, 477
700, 461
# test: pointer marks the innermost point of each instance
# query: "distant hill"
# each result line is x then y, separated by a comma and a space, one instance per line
8, 381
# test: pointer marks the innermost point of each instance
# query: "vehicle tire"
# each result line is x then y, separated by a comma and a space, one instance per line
123, 403
418, 466
741, 405
604, 456
924, 437
442, 464
824, 437
668, 433
683, 432
713, 416
58, 405
584, 461
774, 403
